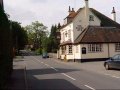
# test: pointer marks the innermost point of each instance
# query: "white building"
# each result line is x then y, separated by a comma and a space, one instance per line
89, 35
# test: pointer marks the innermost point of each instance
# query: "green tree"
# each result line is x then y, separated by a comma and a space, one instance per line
37, 34
53, 41
20, 37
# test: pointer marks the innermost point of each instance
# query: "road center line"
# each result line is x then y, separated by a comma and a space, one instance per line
47, 65
89, 87
37, 59
68, 76
107, 74
54, 68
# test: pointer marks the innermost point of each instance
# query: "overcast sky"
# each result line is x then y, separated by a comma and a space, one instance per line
53, 11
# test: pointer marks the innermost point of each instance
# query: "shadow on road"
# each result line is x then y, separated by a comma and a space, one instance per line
49, 71
17, 80
52, 84
36, 83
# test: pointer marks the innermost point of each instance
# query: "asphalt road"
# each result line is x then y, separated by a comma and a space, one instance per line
51, 74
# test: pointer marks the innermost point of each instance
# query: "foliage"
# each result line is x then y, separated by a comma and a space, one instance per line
38, 51
53, 40
20, 38
37, 35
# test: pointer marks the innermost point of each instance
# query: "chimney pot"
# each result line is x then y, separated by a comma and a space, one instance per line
69, 9
73, 9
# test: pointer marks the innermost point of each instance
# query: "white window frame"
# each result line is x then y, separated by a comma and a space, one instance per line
70, 49
69, 34
93, 48
117, 47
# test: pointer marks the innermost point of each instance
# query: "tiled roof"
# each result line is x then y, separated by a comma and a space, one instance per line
97, 34
105, 21
66, 43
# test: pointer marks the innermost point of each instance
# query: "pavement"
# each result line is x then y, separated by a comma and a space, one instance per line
17, 80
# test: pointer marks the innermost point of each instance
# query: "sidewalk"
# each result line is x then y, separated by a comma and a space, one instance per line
17, 80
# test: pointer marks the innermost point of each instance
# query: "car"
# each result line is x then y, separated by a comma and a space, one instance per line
113, 62
45, 55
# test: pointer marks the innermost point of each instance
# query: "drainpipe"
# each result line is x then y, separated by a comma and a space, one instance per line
108, 51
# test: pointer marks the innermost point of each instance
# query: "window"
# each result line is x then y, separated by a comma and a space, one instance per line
69, 34
66, 33
63, 37
117, 47
70, 49
79, 28
91, 18
63, 49
94, 48
83, 50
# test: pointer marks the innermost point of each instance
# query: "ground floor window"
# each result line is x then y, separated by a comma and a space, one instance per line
94, 47
117, 47
70, 49
63, 48
83, 50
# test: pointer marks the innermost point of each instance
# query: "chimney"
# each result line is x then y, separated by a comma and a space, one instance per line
1, 3
73, 10
113, 14
69, 10
87, 12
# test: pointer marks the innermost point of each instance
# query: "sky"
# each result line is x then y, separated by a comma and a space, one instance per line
50, 12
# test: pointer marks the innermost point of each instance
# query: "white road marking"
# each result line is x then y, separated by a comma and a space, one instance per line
115, 76
112, 76
107, 74
54, 68
68, 76
89, 87
37, 60
47, 65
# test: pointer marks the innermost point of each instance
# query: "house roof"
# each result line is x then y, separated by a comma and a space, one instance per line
66, 43
97, 34
105, 21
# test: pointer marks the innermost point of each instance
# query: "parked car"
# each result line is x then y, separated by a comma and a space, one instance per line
113, 62
45, 55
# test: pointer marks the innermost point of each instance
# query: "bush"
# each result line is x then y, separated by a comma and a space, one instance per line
38, 51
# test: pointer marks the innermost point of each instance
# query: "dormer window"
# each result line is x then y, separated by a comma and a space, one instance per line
66, 33
91, 18
79, 28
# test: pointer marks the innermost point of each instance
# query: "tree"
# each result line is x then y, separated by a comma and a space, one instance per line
20, 37
37, 34
53, 41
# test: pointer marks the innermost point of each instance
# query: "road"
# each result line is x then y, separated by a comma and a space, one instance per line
51, 74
